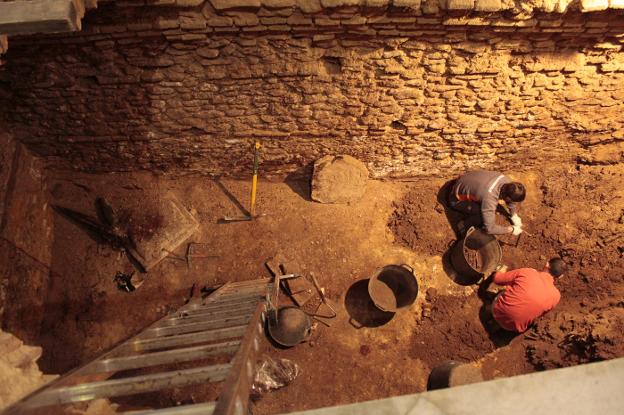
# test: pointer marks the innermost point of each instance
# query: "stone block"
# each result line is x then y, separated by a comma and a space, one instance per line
326, 21
339, 3
355, 20
233, 4
412, 4
430, 6
309, 6
188, 3
162, 23
299, 20
594, 5
220, 21
276, 4
209, 53
460, 4
244, 19
488, 5
273, 20
339, 179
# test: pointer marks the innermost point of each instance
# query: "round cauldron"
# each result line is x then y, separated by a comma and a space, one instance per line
487, 247
393, 287
289, 326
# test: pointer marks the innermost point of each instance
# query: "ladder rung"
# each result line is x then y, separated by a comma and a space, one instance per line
222, 310
222, 306
234, 297
201, 317
196, 409
241, 291
162, 358
128, 386
187, 339
193, 327
263, 281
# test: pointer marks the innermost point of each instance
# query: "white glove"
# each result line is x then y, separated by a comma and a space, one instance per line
515, 219
502, 268
517, 230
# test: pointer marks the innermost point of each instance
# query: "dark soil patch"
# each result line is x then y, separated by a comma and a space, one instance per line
453, 331
419, 222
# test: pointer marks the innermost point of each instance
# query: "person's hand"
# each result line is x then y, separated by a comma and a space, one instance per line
502, 268
517, 230
515, 219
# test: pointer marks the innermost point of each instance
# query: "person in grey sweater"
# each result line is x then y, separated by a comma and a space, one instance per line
479, 191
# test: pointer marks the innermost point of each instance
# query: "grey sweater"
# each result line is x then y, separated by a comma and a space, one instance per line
482, 186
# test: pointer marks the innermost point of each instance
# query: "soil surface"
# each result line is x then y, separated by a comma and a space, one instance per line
575, 211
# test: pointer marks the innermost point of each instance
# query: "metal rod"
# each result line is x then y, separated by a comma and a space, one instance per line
162, 358
194, 327
196, 409
128, 386
221, 304
250, 307
198, 316
186, 339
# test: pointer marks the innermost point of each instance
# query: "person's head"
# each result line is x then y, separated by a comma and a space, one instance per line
556, 267
513, 192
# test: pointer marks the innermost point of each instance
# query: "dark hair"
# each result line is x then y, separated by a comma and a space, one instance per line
557, 267
515, 191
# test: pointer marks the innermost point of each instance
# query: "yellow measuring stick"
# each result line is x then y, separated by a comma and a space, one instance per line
254, 180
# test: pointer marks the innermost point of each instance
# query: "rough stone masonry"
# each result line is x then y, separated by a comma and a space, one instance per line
412, 88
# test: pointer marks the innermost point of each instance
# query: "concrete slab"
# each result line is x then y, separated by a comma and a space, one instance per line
38, 16
594, 388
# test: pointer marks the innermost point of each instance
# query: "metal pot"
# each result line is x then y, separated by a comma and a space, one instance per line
393, 287
289, 326
489, 249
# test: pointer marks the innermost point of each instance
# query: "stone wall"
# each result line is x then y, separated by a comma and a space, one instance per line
25, 239
411, 90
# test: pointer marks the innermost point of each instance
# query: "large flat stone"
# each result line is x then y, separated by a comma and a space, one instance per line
38, 16
339, 179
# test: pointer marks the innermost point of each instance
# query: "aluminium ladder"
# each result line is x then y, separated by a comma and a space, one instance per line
229, 322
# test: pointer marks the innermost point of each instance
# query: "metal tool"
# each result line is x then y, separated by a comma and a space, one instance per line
229, 322
105, 230
254, 186
287, 326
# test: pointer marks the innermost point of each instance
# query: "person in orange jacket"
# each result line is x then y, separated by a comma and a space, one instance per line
528, 294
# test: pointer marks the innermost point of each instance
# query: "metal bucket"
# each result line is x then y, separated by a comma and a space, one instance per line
393, 287
485, 245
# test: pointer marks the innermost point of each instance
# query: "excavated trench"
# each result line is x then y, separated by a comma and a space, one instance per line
150, 102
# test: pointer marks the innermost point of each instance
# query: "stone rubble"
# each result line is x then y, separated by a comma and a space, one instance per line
19, 373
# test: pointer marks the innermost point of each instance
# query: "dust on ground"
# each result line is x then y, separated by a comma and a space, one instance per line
576, 212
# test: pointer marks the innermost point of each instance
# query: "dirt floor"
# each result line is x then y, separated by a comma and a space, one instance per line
576, 212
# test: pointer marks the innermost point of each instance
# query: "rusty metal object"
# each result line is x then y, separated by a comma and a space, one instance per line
393, 287
490, 251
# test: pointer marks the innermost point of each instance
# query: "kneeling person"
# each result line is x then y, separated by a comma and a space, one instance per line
528, 294
478, 192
